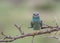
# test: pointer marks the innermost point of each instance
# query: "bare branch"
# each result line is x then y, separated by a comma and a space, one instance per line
11, 38
56, 21
52, 37
33, 39
19, 28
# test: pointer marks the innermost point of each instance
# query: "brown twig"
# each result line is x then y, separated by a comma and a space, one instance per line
11, 38
19, 28
54, 37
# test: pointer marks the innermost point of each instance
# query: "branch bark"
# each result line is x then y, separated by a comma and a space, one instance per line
19, 28
11, 38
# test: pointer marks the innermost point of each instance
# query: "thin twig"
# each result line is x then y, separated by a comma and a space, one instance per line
33, 39
56, 21
19, 28
11, 38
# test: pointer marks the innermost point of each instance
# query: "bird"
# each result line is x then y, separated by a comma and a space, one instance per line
36, 22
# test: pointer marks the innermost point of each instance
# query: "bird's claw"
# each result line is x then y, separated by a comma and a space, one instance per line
33, 33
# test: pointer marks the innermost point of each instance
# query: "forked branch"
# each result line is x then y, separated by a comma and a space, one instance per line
12, 38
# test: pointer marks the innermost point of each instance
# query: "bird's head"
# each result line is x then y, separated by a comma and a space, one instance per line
35, 14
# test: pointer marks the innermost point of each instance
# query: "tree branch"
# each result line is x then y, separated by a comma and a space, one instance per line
11, 38
19, 28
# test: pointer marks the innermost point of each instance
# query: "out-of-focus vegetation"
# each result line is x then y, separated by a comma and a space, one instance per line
15, 11
45, 7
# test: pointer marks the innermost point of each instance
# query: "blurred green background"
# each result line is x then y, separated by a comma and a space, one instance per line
20, 12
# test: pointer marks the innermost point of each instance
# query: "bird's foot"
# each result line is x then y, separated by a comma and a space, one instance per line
33, 33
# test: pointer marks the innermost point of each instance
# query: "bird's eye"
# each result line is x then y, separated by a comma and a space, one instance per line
37, 14
33, 14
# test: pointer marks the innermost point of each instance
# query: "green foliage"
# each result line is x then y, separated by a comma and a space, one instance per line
45, 7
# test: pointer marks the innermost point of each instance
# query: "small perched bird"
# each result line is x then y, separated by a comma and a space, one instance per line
36, 22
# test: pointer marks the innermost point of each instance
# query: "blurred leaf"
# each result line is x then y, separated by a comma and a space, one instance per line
45, 7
